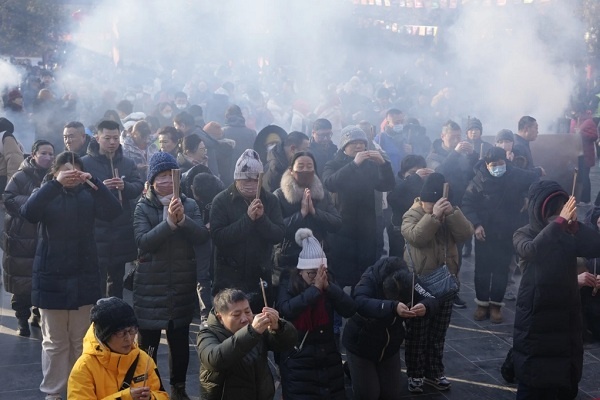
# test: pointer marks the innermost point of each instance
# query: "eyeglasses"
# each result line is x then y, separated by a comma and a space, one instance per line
203, 149
311, 273
131, 331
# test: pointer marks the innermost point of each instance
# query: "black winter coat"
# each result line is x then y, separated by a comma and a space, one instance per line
456, 168
401, 199
548, 345
235, 129
354, 187
19, 238
234, 366
277, 163
496, 202
376, 331
243, 247
322, 154
65, 268
313, 369
326, 218
114, 239
212, 149
164, 284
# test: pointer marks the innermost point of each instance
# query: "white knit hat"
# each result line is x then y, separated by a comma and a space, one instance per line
248, 166
312, 255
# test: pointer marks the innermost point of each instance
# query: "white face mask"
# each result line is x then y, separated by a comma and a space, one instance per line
181, 106
497, 171
398, 128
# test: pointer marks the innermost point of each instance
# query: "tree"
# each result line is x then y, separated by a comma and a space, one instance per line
31, 27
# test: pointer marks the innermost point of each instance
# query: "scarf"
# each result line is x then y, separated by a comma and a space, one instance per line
165, 200
313, 316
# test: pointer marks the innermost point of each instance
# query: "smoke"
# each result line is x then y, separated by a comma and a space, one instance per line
10, 76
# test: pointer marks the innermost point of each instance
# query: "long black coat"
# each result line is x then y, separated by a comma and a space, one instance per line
164, 285
65, 267
114, 238
548, 345
322, 154
243, 246
377, 331
313, 371
354, 186
496, 202
275, 166
326, 219
19, 238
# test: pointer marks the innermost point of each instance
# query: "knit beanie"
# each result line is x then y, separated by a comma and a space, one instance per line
160, 162
109, 316
312, 255
6, 126
474, 123
433, 188
248, 166
350, 134
505, 134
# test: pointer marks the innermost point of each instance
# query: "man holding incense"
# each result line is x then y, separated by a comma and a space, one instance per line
114, 239
112, 365
245, 223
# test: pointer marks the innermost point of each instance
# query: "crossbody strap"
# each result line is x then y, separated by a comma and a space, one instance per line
129, 374
445, 252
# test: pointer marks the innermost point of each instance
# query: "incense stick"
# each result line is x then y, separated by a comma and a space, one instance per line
574, 181
481, 151
412, 295
116, 174
262, 288
150, 353
176, 182
260, 179
446, 190
69, 165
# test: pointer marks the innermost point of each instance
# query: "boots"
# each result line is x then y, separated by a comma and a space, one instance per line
481, 313
496, 313
178, 392
23, 327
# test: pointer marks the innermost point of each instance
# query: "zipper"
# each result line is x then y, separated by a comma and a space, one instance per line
387, 341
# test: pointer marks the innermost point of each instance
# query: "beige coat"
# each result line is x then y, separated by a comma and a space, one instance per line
11, 157
428, 241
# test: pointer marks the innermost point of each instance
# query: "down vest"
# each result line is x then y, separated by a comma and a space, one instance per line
115, 238
19, 238
65, 268
164, 284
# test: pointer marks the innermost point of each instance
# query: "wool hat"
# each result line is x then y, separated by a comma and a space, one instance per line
248, 166
160, 162
6, 126
474, 123
505, 134
312, 255
433, 188
109, 316
352, 133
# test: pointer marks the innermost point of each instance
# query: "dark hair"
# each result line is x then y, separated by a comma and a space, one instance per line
171, 132
206, 186
226, 297
111, 115
180, 94
233, 110
450, 126
303, 154
195, 111
393, 111
411, 161
63, 158
320, 124
125, 106
294, 138
397, 280
525, 122
184, 118
495, 154
108, 125
75, 125
153, 122
39, 143
190, 143
143, 128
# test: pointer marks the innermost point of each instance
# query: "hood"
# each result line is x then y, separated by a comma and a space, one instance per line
293, 193
437, 147
215, 326
277, 154
110, 360
236, 120
384, 268
539, 193
29, 167
93, 150
482, 172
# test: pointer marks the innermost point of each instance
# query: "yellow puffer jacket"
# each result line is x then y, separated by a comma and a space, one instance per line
99, 373
428, 241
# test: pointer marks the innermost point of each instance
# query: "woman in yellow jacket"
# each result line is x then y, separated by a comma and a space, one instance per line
112, 366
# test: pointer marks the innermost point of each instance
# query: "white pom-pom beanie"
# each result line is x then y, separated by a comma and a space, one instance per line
312, 255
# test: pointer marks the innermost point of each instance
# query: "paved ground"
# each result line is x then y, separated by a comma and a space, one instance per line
473, 354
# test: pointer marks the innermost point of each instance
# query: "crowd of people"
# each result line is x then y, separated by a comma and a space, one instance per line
277, 237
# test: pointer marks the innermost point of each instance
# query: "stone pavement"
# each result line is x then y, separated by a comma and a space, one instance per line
474, 352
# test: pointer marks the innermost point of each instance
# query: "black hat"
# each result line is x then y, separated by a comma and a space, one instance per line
474, 123
505, 134
433, 188
110, 316
269, 134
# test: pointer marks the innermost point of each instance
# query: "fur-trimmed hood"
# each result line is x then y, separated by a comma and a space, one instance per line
293, 193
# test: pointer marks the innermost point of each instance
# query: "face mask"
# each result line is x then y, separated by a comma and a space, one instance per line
167, 115
246, 188
398, 128
44, 161
181, 106
497, 171
163, 185
304, 178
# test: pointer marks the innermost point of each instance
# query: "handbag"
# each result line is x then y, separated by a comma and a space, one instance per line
128, 280
441, 283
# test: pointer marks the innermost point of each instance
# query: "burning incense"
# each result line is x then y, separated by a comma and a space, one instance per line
150, 353
262, 288
446, 190
260, 179
574, 181
481, 151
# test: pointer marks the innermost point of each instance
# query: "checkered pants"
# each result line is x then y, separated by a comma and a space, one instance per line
424, 346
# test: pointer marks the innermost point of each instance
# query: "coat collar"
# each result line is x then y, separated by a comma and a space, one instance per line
293, 193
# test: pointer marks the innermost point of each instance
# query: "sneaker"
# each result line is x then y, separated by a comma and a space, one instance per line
415, 385
440, 383
510, 295
459, 303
